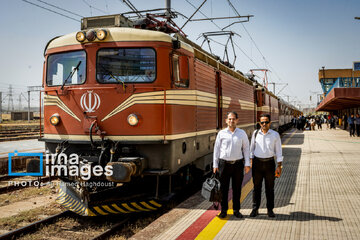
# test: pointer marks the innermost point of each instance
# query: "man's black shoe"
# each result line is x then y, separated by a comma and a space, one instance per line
222, 215
271, 213
254, 213
238, 215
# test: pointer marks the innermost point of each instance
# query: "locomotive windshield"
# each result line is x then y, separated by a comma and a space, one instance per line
66, 68
130, 65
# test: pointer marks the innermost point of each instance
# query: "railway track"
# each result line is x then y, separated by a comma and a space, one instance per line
34, 226
11, 188
18, 135
13, 132
6, 177
112, 230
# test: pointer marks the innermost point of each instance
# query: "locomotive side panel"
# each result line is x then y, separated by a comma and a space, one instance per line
206, 114
241, 95
282, 113
206, 86
274, 112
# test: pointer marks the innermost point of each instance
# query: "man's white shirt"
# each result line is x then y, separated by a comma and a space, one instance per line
231, 146
266, 145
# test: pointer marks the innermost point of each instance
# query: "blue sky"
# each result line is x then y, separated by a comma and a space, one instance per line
297, 38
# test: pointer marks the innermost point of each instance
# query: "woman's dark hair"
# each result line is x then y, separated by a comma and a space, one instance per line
266, 115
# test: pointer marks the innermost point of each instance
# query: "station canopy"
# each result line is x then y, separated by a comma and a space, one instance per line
340, 98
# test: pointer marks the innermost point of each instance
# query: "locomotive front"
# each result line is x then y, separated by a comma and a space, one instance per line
106, 120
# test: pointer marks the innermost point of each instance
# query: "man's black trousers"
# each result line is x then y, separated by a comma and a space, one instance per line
263, 170
236, 173
352, 130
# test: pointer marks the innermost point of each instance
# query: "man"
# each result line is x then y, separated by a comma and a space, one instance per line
351, 121
357, 124
318, 122
345, 121
230, 150
265, 145
332, 122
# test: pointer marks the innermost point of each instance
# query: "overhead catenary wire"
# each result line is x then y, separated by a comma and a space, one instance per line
60, 8
221, 30
50, 10
92, 7
203, 14
256, 46
132, 7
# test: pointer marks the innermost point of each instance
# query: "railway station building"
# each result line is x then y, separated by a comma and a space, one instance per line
341, 90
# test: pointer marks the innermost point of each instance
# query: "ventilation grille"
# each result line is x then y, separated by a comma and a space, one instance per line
105, 21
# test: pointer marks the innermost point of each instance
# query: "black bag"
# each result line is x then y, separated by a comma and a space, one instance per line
211, 189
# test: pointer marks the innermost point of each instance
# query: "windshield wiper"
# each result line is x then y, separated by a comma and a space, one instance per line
107, 71
71, 74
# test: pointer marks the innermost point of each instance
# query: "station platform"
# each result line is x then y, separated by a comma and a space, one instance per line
317, 197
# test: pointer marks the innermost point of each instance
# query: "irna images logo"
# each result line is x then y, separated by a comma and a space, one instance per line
58, 165
25, 154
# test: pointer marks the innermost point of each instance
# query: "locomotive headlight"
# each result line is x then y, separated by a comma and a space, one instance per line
55, 119
101, 34
133, 120
80, 36
90, 35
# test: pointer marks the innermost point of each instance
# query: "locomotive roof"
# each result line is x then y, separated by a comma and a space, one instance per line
134, 34
119, 34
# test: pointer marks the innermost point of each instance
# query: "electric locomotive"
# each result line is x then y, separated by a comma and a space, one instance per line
142, 102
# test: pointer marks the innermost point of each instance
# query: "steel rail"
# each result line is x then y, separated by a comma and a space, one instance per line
34, 226
112, 230
11, 188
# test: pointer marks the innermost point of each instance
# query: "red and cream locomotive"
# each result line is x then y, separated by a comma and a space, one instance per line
147, 103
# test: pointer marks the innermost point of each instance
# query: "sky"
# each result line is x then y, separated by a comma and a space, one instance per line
293, 39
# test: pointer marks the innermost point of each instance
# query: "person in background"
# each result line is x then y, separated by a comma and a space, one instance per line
312, 124
345, 119
231, 150
357, 124
298, 123
332, 122
351, 121
328, 122
336, 120
318, 123
264, 148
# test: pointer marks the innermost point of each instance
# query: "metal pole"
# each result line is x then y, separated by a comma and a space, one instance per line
168, 8
28, 106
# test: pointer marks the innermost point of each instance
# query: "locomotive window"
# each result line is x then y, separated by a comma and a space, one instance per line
131, 65
180, 71
69, 67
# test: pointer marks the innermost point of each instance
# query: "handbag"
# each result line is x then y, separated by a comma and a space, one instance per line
211, 189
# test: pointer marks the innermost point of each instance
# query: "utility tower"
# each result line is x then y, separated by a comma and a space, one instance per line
20, 101
10, 100
31, 89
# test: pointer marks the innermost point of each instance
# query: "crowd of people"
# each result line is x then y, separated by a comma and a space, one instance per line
310, 122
